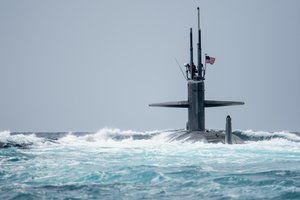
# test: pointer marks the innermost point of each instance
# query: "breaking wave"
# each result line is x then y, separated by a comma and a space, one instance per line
117, 137
250, 135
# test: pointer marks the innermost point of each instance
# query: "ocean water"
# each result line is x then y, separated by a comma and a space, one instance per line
115, 164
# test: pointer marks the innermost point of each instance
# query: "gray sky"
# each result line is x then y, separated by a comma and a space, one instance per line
84, 65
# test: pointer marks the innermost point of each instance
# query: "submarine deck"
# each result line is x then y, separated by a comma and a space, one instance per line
208, 136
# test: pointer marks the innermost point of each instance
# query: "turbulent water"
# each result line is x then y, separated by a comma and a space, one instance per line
114, 164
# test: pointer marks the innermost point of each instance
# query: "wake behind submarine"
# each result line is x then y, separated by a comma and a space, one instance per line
196, 103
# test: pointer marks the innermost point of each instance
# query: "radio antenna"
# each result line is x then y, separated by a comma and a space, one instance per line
200, 66
180, 69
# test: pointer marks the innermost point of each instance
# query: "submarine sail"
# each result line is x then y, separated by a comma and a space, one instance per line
196, 102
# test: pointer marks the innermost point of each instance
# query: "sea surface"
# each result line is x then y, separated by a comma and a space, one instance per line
116, 164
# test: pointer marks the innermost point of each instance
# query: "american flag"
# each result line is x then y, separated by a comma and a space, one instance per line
210, 60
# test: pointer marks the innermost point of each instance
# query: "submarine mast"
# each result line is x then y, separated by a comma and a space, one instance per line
199, 52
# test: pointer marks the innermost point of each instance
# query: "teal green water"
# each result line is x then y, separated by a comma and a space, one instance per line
114, 164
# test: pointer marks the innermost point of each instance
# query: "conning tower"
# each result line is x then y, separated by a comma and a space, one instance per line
196, 102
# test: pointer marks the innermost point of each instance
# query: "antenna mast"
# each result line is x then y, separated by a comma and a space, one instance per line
191, 52
200, 65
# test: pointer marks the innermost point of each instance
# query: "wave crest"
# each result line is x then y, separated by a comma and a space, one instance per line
114, 137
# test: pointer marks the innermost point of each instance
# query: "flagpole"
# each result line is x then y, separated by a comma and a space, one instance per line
204, 66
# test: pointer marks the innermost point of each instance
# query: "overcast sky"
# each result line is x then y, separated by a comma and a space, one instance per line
84, 65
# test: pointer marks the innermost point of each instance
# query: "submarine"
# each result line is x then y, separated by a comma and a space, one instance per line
196, 102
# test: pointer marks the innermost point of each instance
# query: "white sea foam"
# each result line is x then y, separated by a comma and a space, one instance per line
30, 139
118, 139
106, 138
283, 134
